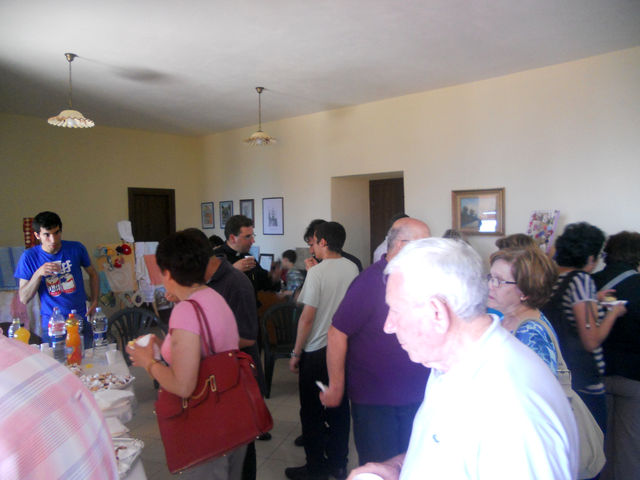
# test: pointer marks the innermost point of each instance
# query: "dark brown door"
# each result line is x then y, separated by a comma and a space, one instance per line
152, 212
386, 199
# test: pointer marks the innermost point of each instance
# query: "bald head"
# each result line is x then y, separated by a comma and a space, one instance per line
403, 231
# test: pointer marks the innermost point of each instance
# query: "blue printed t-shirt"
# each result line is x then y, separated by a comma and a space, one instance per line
535, 336
64, 290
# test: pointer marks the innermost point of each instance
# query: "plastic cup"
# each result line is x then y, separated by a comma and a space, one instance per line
112, 356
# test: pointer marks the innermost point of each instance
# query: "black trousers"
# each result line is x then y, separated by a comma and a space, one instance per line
325, 430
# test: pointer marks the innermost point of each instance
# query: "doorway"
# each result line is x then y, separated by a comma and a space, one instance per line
351, 205
152, 212
386, 199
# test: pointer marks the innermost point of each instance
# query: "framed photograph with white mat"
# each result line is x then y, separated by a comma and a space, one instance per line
273, 216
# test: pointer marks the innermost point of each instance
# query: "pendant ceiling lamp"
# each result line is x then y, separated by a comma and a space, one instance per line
260, 137
70, 118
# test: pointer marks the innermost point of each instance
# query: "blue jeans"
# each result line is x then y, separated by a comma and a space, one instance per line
381, 431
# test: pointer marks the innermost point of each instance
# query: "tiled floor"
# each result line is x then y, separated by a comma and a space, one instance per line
273, 455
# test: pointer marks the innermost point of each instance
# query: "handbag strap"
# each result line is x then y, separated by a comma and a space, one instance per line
618, 279
205, 337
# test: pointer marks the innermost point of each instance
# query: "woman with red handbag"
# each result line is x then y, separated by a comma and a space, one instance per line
182, 261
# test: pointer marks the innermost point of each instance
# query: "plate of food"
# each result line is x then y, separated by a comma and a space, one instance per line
610, 301
106, 381
126, 451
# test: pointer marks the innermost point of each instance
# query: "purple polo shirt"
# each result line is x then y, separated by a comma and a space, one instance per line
379, 371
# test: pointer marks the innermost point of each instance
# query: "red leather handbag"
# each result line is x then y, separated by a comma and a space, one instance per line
225, 411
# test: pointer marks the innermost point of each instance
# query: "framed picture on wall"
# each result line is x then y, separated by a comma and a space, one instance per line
478, 212
206, 211
226, 212
272, 216
246, 208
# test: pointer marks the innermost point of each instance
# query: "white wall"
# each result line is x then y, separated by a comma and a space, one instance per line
565, 137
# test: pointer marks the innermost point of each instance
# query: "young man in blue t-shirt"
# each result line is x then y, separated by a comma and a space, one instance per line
52, 269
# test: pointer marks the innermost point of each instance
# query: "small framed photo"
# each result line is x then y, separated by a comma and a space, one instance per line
478, 212
246, 209
272, 216
206, 211
226, 212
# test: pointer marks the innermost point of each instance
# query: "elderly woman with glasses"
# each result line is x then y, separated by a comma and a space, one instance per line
521, 281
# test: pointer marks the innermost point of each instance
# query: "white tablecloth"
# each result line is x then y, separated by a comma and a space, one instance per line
98, 364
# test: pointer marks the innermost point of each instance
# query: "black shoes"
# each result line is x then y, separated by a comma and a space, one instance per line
302, 473
264, 436
339, 473
299, 441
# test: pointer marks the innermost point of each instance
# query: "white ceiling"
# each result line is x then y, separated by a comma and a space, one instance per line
190, 67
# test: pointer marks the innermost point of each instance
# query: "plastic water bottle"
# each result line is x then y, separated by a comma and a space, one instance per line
15, 325
57, 334
99, 327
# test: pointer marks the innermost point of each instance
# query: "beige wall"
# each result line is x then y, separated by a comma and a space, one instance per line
83, 175
565, 137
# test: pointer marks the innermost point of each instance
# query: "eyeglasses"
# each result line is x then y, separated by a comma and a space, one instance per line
253, 235
496, 282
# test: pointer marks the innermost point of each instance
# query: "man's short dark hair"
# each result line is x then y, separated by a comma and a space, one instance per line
290, 255
235, 223
200, 236
46, 220
333, 233
185, 256
577, 243
623, 247
311, 229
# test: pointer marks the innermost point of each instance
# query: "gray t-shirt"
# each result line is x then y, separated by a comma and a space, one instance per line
324, 289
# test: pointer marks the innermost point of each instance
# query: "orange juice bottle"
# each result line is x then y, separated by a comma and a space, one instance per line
73, 348
22, 334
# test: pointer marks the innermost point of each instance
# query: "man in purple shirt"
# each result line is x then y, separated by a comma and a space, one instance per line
384, 386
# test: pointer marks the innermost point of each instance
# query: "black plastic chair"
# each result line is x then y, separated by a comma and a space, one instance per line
129, 324
279, 328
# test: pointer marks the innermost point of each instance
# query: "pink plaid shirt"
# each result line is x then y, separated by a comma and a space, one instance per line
50, 424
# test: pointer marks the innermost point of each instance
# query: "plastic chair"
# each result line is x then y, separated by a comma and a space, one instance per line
279, 328
129, 324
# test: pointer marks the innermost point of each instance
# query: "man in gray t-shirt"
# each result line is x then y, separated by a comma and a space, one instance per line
321, 295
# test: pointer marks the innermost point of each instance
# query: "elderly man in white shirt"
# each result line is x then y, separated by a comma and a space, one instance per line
492, 408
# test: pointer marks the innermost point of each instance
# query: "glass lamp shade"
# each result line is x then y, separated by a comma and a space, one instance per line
260, 138
71, 119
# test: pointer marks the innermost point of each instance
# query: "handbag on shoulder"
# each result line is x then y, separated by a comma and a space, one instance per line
225, 411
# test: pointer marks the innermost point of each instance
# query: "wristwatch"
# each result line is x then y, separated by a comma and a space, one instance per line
294, 354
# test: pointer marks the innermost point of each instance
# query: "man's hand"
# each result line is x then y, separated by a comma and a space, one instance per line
48, 268
245, 264
332, 396
310, 262
294, 364
92, 308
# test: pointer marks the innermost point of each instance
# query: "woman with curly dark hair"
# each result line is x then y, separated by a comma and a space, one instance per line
622, 357
577, 253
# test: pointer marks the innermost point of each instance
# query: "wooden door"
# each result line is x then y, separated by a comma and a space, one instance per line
152, 212
386, 199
